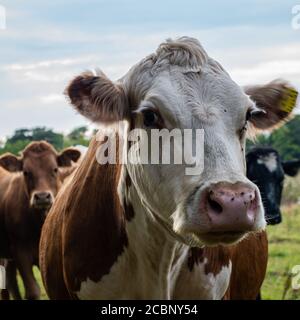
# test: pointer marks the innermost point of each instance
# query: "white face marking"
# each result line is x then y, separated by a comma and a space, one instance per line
270, 161
166, 189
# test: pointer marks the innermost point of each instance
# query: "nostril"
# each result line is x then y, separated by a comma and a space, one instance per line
231, 207
43, 196
215, 206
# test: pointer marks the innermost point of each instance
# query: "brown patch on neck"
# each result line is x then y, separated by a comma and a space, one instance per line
195, 257
216, 258
94, 232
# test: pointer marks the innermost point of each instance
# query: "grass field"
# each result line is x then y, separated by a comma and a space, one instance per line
284, 246
284, 253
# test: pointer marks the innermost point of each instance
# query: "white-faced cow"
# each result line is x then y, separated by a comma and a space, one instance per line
28, 186
266, 169
150, 231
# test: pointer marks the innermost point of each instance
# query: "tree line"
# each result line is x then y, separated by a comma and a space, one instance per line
286, 139
22, 137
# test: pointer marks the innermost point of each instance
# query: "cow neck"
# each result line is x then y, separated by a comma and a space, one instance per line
102, 228
94, 220
152, 242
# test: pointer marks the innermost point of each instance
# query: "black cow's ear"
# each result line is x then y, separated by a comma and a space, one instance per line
11, 163
98, 98
291, 167
275, 101
65, 158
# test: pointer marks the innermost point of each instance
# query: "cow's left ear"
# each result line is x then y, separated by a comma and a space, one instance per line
276, 100
11, 163
65, 158
291, 167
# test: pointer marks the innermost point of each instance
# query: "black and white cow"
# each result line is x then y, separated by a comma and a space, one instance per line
267, 170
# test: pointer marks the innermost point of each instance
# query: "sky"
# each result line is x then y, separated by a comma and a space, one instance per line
46, 43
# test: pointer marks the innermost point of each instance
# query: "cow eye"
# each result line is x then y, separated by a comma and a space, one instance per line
249, 115
55, 170
26, 173
151, 118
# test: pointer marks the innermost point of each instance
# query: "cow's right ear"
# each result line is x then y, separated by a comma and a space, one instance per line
11, 163
291, 168
98, 98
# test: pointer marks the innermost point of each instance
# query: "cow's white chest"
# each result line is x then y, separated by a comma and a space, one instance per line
128, 281
135, 275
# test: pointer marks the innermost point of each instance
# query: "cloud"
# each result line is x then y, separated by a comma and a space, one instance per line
46, 45
52, 98
270, 69
46, 76
46, 64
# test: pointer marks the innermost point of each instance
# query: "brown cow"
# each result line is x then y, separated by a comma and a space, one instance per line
28, 186
140, 230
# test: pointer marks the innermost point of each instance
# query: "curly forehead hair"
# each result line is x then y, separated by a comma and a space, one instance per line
38, 147
184, 54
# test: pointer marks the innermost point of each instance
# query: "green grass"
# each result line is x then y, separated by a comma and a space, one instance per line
291, 190
284, 253
39, 280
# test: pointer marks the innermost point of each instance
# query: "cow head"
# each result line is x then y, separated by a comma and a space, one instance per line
42, 169
266, 169
180, 86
